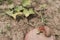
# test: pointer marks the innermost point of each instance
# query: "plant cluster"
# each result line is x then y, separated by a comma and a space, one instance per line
23, 9
20, 10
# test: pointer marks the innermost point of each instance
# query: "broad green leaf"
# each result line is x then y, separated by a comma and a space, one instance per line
10, 13
28, 12
26, 2
31, 11
18, 8
15, 14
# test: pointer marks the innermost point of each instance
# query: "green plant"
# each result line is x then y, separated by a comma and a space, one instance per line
28, 12
42, 14
20, 10
10, 13
26, 3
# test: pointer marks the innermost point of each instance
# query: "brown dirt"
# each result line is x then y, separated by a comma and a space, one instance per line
19, 29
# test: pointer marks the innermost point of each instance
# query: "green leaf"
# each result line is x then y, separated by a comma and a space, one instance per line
28, 12
10, 13
31, 11
26, 2
18, 8
15, 14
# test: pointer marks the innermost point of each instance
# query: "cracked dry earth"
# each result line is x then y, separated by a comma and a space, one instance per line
18, 30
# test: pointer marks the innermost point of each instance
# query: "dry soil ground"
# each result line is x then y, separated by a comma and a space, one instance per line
10, 29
